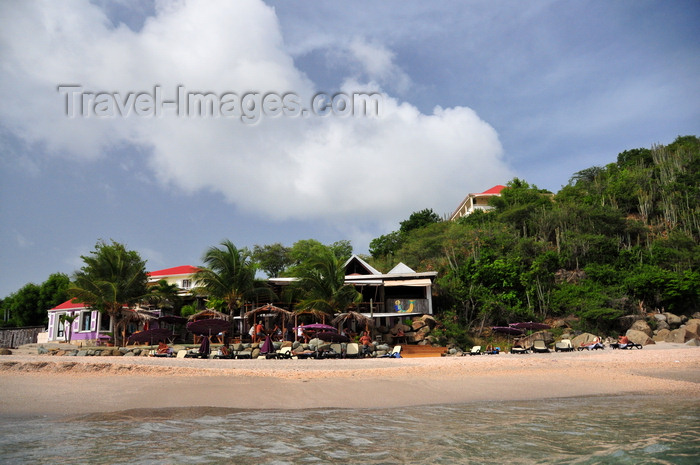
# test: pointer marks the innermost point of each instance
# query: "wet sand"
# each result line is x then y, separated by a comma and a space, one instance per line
55, 385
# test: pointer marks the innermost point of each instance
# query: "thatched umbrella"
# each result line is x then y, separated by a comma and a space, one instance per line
208, 313
285, 315
350, 315
317, 314
132, 315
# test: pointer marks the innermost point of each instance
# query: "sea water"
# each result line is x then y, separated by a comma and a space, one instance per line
586, 430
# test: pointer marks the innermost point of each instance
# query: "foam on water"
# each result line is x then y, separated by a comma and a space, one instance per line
593, 430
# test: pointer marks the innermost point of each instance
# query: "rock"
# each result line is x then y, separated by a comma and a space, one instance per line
695, 316
676, 336
693, 327
627, 321
693, 342
129, 354
661, 335
643, 326
82, 353
639, 337
662, 325
104, 353
583, 338
673, 320
559, 324
138, 351
41, 350
255, 353
72, 353
237, 347
60, 352
5, 351
659, 316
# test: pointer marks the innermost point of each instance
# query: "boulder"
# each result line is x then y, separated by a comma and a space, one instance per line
559, 324
693, 327
677, 336
659, 317
661, 335
693, 342
583, 338
104, 353
642, 326
82, 353
5, 351
673, 320
129, 354
662, 325
639, 337
41, 350
255, 353
627, 321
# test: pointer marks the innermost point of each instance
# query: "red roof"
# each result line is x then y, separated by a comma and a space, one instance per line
495, 190
184, 269
69, 305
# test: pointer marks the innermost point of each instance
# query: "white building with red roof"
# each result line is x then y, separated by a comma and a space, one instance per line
181, 276
474, 202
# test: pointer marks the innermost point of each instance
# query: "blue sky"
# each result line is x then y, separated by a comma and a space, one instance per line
474, 93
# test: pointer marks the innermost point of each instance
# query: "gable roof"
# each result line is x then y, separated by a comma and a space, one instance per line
359, 263
177, 270
494, 190
69, 305
401, 268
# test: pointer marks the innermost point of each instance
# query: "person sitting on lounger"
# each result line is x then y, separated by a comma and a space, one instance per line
163, 349
366, 342
259, 332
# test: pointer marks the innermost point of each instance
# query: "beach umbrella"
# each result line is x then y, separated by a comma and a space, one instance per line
151, 336
208, 314
320, 327
208, 327
284, 315
328, 336
267, 347
204, 347
530, 325
359, 318
510, 330
172, 319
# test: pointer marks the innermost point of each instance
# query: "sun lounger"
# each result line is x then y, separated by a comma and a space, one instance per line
629, 345
540, 347
519, 350
395, 353
563, 346
352, 350
476, 350
591, 346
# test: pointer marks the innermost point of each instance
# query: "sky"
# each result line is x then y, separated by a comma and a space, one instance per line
102, 136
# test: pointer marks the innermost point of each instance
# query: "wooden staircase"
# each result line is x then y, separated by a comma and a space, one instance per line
414, 351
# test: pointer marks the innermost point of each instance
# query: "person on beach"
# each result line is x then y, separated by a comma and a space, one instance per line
163, 349
259, 332
366, 342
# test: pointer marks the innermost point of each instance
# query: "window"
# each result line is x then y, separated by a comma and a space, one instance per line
60, 332
85, 320
104, 322
186, 283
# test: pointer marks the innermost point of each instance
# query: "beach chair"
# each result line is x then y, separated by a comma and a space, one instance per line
395, 353
563, 346
285, 352
352, 350
476, 350
519, 350
540, 347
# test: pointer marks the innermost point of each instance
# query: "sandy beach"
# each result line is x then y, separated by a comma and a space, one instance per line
55, 385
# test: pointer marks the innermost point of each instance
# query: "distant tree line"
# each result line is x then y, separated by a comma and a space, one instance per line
615, 240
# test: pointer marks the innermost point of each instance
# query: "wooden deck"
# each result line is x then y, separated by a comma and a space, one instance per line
414, 351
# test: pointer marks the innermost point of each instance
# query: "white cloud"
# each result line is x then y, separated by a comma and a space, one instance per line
373, 169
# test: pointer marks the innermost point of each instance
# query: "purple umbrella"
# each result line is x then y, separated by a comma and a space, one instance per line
530, 325
507, 330
204, 348
208, 327
173, 319
318, 327
332, 337
267, 347
151, 336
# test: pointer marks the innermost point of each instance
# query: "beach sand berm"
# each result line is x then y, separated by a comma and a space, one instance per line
55, 385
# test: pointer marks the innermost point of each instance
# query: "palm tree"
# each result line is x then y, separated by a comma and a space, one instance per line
164, 295
68, 328
229, 274
321, 284
111, 279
